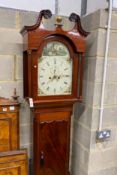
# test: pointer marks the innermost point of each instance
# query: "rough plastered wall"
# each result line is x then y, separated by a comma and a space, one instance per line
89, 157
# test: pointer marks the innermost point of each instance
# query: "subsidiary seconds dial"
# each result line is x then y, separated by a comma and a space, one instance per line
55, 70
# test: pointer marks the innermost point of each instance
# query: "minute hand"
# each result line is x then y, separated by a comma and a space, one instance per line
63, 76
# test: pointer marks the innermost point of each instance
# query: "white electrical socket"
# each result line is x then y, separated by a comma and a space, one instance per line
103, 135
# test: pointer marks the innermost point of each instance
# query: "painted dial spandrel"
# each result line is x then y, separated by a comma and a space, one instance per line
55, 70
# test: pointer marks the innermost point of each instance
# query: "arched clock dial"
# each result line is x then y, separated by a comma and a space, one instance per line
55, 70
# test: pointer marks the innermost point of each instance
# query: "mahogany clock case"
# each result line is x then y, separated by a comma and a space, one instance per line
52, 113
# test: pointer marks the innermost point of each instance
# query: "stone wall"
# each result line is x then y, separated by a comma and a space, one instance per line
90, 157
94, 5
11, 73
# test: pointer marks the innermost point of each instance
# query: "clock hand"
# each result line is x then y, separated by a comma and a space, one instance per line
54, 66
62, 75
52, 78
54, 72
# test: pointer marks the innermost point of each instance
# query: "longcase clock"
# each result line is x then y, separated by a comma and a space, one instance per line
53, 72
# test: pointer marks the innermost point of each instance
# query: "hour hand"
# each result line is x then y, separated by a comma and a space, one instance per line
51, 78
54, 71
64, 76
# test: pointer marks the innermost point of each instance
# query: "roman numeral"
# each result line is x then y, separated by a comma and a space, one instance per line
65, 82
54, 61
41, 76
42, 83
66, 69
47, 63
47, 88
54, 90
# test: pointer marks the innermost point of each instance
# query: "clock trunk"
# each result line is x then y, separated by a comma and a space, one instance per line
51, 150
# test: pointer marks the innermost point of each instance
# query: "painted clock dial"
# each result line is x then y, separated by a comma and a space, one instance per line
55, 70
